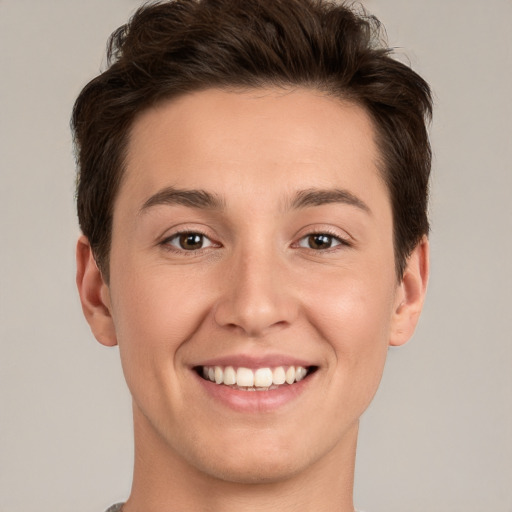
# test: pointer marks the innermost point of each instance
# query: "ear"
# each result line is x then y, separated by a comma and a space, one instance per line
410, 294
94, 294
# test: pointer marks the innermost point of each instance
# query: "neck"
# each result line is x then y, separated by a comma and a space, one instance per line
163, 481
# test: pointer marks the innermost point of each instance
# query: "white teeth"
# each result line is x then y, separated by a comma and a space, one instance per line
263, 378
300, 373
229, 376
278, 376
290, 375
260, 379
244, 377
219, 375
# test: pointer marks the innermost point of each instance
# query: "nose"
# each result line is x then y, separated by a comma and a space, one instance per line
255, 295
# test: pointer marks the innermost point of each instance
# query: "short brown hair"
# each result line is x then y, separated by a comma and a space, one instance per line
171, 48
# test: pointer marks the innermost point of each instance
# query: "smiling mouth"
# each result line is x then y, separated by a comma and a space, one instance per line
259, 379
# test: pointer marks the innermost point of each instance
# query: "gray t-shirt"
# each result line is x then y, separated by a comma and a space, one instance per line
115, 508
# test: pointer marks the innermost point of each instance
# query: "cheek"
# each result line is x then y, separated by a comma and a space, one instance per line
353, 316
352, 310
154, 315
156, 305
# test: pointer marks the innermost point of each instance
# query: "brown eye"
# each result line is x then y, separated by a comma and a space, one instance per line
189, 241
320, 241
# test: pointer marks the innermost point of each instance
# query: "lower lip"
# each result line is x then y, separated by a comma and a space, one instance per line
255, 401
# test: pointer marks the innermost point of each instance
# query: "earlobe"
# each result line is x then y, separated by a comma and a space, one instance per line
411, 294
94, 294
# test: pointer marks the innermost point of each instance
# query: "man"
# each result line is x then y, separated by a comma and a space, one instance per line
252, 193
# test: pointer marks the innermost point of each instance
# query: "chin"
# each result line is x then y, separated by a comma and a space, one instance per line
257, 457
253, 470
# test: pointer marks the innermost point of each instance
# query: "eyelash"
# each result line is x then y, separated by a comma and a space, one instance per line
342, 242
166, 243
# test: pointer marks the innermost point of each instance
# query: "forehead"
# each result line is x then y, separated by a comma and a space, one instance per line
263, 140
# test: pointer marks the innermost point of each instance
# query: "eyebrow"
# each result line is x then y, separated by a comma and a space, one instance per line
319, 197
185, 197
197, 198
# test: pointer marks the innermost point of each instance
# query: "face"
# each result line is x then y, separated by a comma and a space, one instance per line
252, 245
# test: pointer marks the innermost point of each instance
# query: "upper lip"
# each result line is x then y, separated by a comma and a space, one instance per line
253, 362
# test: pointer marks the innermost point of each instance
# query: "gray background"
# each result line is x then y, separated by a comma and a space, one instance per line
438, 436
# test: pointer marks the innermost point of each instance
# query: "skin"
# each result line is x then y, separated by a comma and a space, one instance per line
257, 287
